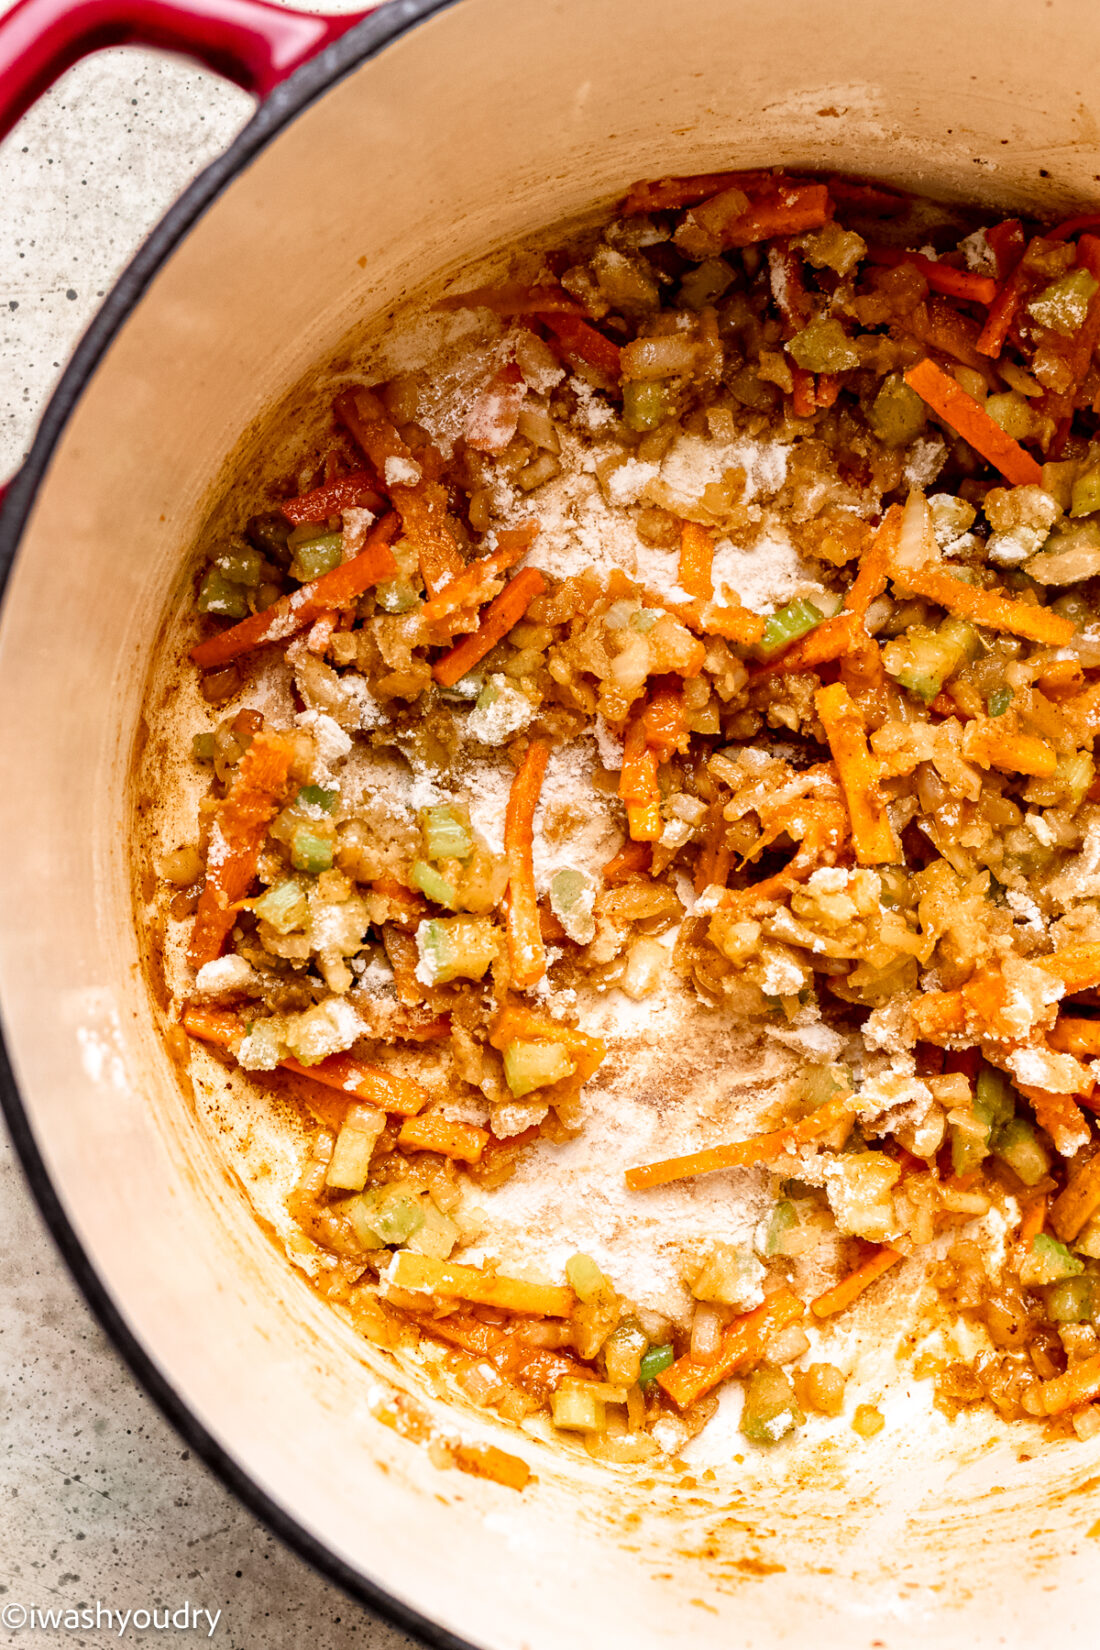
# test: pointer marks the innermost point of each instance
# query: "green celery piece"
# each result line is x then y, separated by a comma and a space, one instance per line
285, 907
1085, 498
645, 404
585, 1278
535, 1065
386, 1216
315, 796
797, 619
1070, 1300
309, 852
446, 834
241, 563
706, 283
221, 596
1018, 1146
316, 556
933, 657
771, 1408
454, 947
396, 596
969, 1143
204, 747
823, 346
994, 1100
1064, 304
656, 1359
897, 414
431, 883
643, 620
1054, 1258
783, 1219
998, 701
1074, 775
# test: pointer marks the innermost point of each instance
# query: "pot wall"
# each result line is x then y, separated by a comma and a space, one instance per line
407, 169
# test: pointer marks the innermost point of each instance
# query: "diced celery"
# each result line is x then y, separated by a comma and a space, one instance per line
316, 556
241, 563
396, 596
387, 1216
454, 947
1014, 414
969, 1141
1017, 1145
922, 660
774, 1229
1070, 1300
1064, 304
438, 1235
645, 404
315, 796
1048, 1261
220, 595
820, 1083
572, 900
204, 747
897, 415
1073, 776
1085, 498
998, 700
309, 852
575, 1410
730, 1276
349, 1164
643, 620
623, 1351
823, 346
782, 628
285, 907
534, 1065
995, 1099
446, 834
705, 283
433, 884
585, 1278
656, 1359
771, 1409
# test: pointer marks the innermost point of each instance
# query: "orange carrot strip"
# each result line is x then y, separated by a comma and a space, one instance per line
941, 277
735, 624
286, 617
849, 1289
502, 613
696, 560
873, 836
422, 504
1034, 1219
339, 1071
742, 1154
436, 1134
1077, 1036
792, 208
803, 392
993, 747
513, 298
632, 859
986, 607
1073, 226
638, 786
1060, 1116
743, 1344
1078, 967
515, 1022
1079, 1385
356, 490
472, 588
951, 402
669, 194
663, 720
525, 948
827, 389
1002, 313
240, 830
1078, 1200
581, 342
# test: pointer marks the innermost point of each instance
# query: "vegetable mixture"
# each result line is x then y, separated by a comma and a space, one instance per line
846, 731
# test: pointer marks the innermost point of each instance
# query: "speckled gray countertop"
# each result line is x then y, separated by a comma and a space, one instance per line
99, 1500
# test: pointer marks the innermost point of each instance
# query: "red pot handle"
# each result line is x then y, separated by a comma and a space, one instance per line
255, 44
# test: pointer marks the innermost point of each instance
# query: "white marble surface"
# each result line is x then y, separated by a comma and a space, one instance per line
99, 1500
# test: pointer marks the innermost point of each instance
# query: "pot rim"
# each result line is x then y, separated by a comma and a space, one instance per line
365, 40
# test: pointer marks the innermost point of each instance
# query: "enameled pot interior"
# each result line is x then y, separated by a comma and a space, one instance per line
463, 133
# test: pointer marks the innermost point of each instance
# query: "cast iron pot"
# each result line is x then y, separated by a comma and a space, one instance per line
388, 149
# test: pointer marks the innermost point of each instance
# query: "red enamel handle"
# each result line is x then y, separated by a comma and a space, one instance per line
255, 44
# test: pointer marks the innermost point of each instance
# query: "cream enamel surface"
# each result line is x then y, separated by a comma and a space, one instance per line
415, 168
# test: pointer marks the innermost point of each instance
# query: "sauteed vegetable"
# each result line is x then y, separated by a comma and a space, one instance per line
775, 502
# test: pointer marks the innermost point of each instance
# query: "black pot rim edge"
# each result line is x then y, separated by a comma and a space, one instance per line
362, 42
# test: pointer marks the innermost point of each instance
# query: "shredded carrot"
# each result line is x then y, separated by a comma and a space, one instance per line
789, 210
668, 194
734, 624
525, 948
849, 1289
742, 1154
502, 614
950, 401
941, 277
803, 392
335, 589
632, 859
422, 504
827, 389
986, 607
743, 1345
422, 1274
455, 607
1079, 1385
1078, 1200
240, 831
513, 298
1007, 242
1060, 1116
1002, 312
873, 836
663, 720
1034, 1219
437, 1134
993, 747
353, 491
1078, 967
339, 1071
516, 1023
581, 342
696, 559
638, 786
1077, 1036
